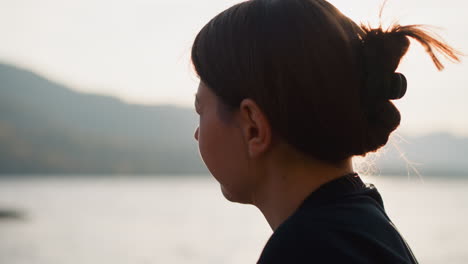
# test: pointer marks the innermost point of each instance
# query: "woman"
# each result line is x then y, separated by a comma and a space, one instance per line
290, 91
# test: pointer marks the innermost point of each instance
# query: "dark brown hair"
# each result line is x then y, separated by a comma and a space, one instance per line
321, 80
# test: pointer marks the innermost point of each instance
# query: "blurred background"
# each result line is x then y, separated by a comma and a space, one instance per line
98, 163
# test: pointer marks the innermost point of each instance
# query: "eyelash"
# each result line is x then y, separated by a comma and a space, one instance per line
196, 108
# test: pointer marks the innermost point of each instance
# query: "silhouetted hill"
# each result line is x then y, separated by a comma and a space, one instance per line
47, 128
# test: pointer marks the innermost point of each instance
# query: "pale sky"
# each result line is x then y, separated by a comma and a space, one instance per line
138, 50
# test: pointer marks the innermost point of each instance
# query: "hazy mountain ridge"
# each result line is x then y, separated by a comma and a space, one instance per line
436, 154
47, 128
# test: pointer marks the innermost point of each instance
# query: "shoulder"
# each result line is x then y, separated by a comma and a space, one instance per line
342, 232
292, 244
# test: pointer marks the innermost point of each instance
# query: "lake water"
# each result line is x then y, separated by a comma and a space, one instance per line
80, 220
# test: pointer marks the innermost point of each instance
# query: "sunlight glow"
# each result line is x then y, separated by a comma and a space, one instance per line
139, 50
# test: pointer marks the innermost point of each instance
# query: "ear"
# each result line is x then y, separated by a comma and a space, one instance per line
255, 127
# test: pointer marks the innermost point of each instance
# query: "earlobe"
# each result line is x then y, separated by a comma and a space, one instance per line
255, 128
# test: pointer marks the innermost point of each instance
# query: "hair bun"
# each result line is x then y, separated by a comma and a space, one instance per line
398, 85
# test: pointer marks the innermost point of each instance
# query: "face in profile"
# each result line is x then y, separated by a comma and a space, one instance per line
222, 147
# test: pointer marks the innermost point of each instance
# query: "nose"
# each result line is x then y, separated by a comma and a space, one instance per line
196, 134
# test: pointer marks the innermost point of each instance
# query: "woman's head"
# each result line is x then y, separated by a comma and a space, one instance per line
323, 82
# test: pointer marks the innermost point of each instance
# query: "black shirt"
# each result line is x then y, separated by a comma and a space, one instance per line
343, 221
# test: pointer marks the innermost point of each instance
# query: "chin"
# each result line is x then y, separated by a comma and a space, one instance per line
235, 197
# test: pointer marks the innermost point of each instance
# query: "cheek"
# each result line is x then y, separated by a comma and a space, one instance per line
222, 151
207, 141
214, 142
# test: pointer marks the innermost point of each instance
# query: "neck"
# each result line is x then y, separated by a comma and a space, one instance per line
287, 186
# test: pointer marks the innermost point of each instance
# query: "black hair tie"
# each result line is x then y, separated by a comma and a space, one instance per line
398, 86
